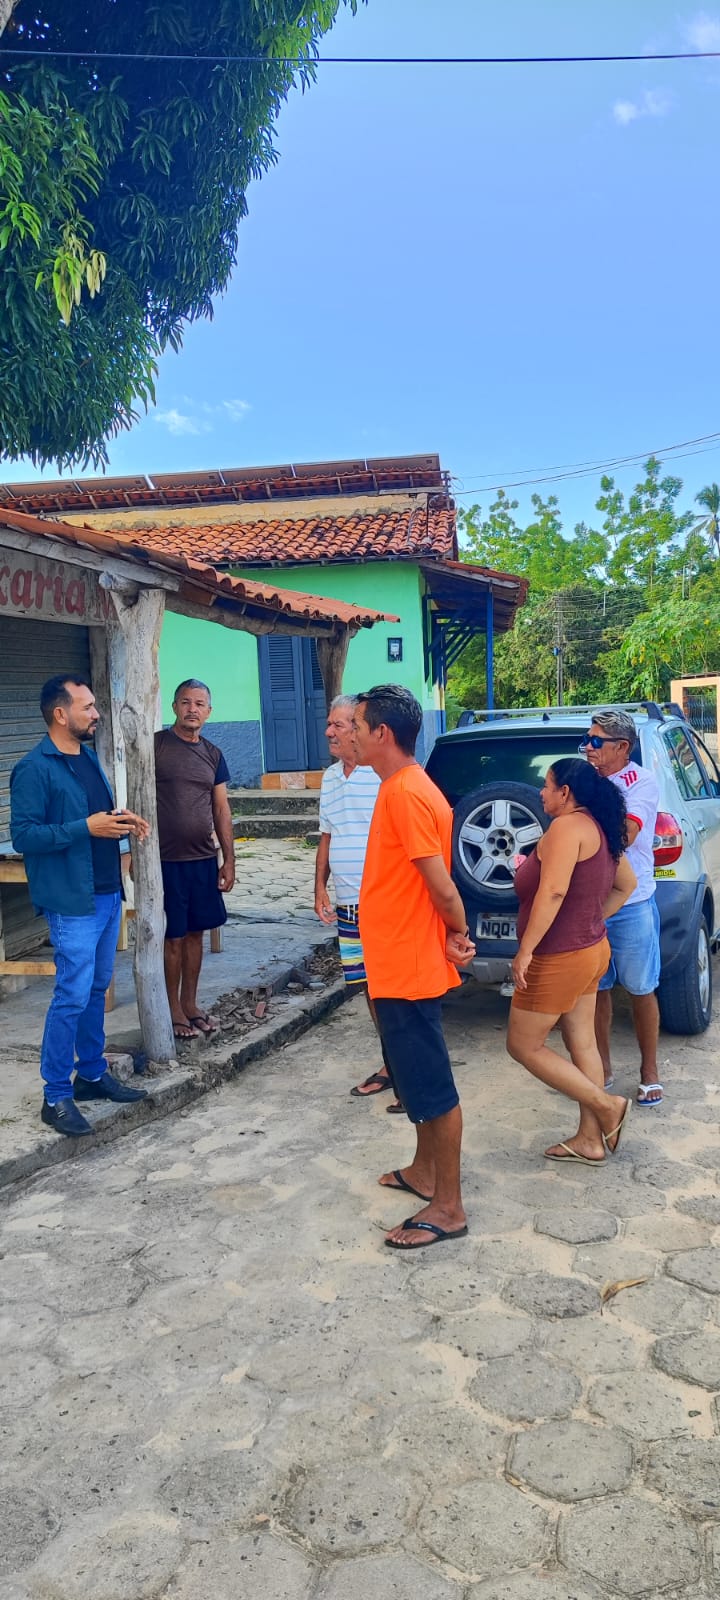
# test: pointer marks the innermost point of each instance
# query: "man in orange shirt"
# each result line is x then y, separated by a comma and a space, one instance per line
414, 935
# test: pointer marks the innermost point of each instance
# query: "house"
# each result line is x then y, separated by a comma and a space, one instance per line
78, 599
380, 534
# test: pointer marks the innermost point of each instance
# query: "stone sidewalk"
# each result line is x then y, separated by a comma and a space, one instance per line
271, 928
218, 1385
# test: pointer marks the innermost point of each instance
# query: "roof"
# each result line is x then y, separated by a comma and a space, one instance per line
367, 536
201, 585
459, 590
307, 480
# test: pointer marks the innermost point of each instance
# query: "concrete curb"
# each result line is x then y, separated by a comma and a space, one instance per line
175, 1089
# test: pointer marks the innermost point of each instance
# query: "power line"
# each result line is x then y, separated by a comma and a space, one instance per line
611, 461
588, 472
355, 61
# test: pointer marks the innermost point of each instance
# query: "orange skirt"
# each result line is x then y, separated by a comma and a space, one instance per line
555, 983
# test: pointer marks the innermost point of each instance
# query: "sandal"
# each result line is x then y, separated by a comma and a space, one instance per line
381, 1081
204, 1023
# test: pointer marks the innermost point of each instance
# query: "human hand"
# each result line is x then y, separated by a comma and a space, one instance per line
109, 825
139, 828
520, 966
323, 908
226, 877
459, 949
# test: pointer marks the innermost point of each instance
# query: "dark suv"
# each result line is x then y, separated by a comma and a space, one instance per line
491, 769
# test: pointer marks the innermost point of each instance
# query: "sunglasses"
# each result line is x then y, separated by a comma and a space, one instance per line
595, 742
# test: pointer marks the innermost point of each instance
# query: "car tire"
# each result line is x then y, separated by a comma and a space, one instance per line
491, 825
685, 998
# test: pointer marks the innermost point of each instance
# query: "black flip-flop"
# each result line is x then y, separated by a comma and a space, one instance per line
397, 1109
440, 1235
379, 1078
401, 1184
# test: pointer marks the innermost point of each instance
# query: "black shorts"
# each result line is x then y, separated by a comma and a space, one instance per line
411, 1032
193, 901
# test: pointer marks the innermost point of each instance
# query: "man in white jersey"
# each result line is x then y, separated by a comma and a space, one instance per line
634, 931
347, 801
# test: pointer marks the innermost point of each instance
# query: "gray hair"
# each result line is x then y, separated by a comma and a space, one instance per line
343, 701
617, 725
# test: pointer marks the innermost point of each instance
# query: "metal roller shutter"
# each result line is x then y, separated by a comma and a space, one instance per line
30, 652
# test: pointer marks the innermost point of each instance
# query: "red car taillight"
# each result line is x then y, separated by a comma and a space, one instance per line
668, 841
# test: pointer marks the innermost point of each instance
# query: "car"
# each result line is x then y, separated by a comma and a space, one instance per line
491, 769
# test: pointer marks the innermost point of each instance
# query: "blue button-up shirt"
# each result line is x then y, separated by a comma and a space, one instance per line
48, 827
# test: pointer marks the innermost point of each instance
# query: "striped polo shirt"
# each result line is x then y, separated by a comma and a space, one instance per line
346, 807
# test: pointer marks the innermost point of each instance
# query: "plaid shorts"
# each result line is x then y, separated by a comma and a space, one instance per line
351, 950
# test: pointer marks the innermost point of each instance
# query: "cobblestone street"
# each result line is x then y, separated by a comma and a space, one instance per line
217, 1383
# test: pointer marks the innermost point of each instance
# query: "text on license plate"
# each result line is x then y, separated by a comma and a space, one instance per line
496, 927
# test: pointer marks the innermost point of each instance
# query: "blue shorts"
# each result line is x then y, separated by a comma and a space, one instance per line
413, 1040
634, 935
193, 901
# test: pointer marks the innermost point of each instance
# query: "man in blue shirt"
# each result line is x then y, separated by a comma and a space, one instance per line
63, 823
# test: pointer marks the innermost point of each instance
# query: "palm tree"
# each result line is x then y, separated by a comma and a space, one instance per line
709, 523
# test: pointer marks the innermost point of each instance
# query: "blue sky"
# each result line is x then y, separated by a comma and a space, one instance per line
515, 266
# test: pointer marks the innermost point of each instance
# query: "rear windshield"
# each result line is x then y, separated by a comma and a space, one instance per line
460, 765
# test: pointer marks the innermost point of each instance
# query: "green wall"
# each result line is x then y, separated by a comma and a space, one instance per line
224, 658
380, 586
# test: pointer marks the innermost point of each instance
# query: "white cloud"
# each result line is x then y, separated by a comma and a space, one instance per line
178, 423
703, 32
236, 410
651, 103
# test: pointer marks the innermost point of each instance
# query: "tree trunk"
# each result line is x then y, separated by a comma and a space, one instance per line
332, 655
140, 615
6, 10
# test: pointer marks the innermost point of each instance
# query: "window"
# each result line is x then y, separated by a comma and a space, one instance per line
708, 765
687, 770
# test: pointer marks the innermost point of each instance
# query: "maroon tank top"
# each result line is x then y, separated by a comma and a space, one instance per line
579, 922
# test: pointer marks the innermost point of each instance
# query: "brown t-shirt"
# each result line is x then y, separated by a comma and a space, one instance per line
186, 775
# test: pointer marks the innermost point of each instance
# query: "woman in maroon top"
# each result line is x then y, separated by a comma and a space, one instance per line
575, 878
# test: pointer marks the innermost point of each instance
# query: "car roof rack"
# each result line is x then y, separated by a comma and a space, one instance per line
653, 711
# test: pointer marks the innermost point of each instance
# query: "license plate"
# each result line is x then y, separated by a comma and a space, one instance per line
496, 927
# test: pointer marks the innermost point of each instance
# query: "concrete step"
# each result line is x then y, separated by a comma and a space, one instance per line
261, 802
283, 825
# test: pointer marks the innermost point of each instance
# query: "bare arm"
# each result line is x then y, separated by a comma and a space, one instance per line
222, 819
633, 829
442, 892
323, 908
625, 882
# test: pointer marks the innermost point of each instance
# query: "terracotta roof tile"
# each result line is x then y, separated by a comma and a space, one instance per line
367, 536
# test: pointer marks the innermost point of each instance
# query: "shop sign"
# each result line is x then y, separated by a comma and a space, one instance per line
56, 591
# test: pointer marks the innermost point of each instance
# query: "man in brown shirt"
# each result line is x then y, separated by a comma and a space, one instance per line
193, 815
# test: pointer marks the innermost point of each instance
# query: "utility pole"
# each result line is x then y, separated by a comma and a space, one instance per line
558, 648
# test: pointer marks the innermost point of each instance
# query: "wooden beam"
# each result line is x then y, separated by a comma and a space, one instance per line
332, 656
81, 555
242, 623
140, 617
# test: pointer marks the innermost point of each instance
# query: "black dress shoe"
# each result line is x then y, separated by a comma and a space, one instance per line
105, 1088
64, 1117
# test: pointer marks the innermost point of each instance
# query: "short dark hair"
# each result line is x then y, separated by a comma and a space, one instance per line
54, 693
192, 683
395, 707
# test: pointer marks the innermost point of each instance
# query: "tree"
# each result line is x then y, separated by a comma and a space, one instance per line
709, 524
122, 185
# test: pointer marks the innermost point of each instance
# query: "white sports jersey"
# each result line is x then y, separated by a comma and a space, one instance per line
346, 808
641, 794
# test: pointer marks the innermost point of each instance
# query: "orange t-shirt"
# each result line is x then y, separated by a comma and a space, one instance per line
403, 936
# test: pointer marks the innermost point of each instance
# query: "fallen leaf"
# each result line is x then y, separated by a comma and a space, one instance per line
609, 1290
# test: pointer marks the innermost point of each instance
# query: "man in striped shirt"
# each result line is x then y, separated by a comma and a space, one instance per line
347, 801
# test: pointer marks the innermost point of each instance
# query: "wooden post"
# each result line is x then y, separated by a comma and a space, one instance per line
332, 655
140, 616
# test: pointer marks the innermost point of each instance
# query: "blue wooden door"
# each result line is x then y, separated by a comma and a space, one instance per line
292, 700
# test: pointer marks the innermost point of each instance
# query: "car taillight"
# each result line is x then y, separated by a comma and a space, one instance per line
668, 841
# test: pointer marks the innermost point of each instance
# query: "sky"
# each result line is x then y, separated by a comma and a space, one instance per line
514, 266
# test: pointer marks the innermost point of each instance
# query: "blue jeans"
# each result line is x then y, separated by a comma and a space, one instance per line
84, 949
634, 934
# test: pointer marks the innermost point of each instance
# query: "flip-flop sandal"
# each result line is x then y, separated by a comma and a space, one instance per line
439, 1235
204, 1023
397, 1109
380, 1079
617, 1133
641, 1098
185, 1030
401, 1184
573, 1155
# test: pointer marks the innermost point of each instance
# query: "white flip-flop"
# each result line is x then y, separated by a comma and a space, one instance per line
643, 1092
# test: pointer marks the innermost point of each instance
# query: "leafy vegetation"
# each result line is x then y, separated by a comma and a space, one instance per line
613, 612
122, 185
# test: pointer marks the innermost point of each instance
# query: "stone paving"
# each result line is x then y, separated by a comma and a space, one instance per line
218, 1385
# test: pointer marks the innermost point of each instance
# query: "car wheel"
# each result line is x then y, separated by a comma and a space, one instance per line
685, 999
491, 825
